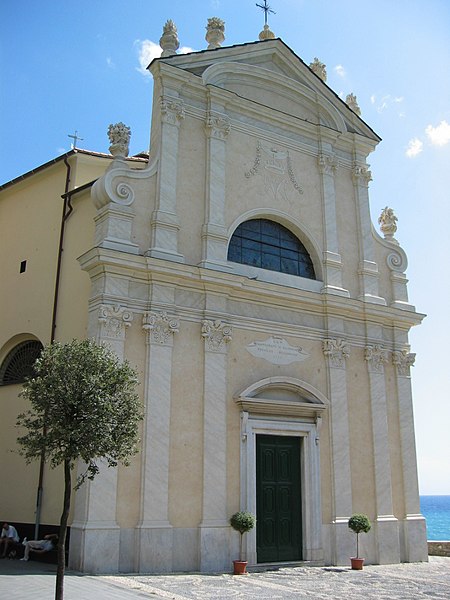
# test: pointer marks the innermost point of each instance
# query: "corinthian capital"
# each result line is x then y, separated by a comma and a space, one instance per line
217, 126
376, 356
328, 164
115, 319
172, 110
216, 334
160, 327
336, 350
361, 175
403, 360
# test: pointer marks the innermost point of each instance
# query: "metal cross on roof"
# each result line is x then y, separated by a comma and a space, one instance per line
75, 139
267, 9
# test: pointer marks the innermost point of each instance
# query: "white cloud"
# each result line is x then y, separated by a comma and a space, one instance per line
147, 51
415, 147
385, 102
110, 62
440, 135
339, 70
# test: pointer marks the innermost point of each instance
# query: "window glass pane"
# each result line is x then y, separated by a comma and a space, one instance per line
267, 244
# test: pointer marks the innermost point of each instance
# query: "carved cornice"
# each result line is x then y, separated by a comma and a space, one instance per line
336, 350
160, 327
361, 175
172, 110
216, 334
217, 126
328, 164
376, 356
403, 360
115, 319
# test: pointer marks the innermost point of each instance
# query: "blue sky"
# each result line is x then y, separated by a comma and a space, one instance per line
67, 67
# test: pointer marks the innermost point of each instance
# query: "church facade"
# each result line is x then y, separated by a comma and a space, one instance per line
240, 272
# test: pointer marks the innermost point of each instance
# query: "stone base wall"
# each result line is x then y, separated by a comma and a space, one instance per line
439, 548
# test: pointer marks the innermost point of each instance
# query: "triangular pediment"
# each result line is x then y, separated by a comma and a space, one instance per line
271, 74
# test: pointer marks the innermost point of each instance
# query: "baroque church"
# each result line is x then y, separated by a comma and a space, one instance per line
238, 269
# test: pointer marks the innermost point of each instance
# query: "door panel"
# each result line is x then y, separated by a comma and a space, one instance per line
278, 500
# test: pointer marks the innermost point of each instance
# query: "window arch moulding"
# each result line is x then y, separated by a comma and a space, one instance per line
300, 232
18, 360
283, 396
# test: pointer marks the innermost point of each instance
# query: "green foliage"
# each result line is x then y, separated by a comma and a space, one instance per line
243, 521
83, 406
359, 523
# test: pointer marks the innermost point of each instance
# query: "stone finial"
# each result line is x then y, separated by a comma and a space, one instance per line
387, 221
352, 102
266, 34
119, 136
215, 32
319, 69
169, 40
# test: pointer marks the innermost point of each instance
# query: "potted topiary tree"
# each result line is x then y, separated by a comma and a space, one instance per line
242, 522
359, 524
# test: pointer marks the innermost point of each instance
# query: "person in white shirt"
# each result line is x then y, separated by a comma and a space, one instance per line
40, 546
8, 538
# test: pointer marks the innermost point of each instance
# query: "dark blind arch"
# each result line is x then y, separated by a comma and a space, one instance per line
268, 245
18, 363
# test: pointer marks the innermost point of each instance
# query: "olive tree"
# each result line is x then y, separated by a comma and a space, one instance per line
83, 409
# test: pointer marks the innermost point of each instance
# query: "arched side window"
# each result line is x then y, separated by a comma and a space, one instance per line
18, 364
268, 245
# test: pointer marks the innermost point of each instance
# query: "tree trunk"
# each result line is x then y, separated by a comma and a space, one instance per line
59, 591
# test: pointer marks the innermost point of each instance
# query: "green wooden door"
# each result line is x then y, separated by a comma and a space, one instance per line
278, 500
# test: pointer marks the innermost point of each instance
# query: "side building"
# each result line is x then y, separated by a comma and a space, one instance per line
239, 271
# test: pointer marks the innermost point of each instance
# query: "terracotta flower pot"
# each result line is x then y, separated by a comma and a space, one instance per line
240, 567
357, 563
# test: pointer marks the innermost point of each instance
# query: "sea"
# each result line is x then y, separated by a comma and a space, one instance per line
436, 510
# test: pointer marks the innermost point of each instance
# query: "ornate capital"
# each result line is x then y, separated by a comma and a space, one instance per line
328, 164
361, 175
160, 327
216, 334
217, 126
172, 110
336, 350
115, 319
403, 360
376, 356
119, 137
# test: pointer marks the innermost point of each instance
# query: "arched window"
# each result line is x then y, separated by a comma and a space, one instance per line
18, 364
268, 245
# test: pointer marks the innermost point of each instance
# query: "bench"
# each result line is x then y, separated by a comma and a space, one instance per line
27, 530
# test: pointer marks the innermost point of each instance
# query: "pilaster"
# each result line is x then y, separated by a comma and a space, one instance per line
328, 165
95, 535
164, 221
214, 528
337, 351
214, 233
154, 533
368, 268
387, 531
414, 526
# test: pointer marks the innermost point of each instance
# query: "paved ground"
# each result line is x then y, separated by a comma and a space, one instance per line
26, 581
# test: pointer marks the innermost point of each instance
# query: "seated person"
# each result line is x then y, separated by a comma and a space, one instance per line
8, 539
49, 542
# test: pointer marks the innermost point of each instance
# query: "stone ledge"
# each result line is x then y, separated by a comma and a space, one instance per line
439, 548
